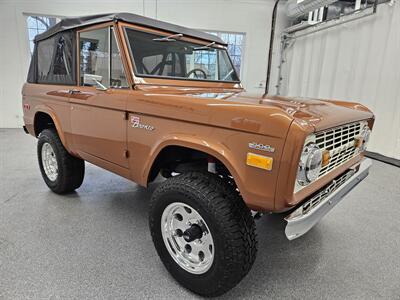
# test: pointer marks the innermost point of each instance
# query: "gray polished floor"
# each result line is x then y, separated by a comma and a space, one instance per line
95, 243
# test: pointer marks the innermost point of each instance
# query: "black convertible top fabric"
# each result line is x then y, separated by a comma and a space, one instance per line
70, 23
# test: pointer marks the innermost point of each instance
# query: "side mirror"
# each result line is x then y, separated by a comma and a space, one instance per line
100, 86
91, 79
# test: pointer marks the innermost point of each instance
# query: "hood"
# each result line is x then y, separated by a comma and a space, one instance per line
318, 113
270, 115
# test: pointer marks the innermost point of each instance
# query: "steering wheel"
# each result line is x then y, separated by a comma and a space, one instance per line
195, 73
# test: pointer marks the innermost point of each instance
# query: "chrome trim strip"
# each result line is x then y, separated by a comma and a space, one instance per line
301, 221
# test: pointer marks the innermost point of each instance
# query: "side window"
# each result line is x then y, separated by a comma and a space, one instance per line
55, 60
60, 66
100, 59
45, 51
94, 58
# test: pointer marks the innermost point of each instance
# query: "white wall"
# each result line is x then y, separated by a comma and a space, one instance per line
249, 16
358, 61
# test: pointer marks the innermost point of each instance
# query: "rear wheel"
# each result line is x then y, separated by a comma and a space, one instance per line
203, 232
61, 171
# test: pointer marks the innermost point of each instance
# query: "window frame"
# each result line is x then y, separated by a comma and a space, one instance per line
124, 28
121, 52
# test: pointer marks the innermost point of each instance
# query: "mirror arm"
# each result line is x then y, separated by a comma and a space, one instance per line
100, 86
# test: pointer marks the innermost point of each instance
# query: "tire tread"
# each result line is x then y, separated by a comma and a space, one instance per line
71, 169
226, 205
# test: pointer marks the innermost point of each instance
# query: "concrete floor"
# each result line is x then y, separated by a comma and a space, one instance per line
95, 243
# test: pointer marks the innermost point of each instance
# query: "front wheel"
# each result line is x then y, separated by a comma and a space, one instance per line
203, 232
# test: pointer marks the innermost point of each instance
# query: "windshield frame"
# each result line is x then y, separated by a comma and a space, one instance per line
200, 43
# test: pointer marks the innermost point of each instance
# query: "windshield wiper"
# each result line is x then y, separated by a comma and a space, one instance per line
206, 47
169, 38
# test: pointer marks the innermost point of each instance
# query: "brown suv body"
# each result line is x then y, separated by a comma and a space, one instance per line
218, 119
146, 104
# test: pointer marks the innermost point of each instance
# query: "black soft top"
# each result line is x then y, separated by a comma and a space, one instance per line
75, 22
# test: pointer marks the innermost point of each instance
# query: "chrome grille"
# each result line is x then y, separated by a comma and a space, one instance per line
325, 192
339, 142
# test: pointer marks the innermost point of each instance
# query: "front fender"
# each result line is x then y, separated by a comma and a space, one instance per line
257, 186
213, 148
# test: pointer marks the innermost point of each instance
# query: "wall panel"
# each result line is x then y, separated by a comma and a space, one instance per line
357, 61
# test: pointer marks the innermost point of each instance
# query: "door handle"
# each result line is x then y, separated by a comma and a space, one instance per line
74, 91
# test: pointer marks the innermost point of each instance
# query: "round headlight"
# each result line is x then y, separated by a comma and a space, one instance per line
310, 164
365, 133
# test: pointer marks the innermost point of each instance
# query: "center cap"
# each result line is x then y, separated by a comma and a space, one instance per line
194, 232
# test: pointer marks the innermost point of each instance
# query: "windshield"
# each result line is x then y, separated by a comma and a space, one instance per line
159, 56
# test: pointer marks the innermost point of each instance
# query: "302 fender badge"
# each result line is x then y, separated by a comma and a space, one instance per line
261, 147
135, 123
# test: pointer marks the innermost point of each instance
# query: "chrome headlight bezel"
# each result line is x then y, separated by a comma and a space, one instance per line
310, 163
365, 134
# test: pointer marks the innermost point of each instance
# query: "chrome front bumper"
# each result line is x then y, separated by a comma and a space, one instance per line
312, 210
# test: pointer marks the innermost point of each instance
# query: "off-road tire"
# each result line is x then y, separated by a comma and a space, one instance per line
230, 222
71, 170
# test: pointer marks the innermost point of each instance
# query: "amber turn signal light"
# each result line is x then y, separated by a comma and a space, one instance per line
325, 158
358, 142
259, 161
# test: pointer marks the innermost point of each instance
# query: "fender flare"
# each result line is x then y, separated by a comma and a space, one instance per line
215, 149
48, 110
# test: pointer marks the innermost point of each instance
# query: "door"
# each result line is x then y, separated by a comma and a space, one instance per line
98, 103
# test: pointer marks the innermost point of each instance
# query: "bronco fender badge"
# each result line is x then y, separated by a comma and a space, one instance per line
261, 147
135, 122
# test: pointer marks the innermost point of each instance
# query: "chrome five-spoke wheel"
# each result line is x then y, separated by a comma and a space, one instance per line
49, 162
187, 238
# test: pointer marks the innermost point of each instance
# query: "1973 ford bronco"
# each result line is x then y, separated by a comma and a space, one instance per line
140, 97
